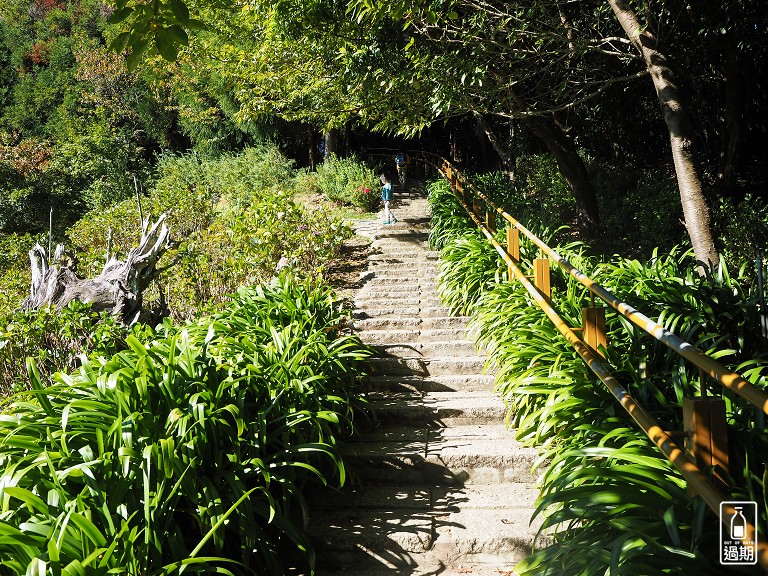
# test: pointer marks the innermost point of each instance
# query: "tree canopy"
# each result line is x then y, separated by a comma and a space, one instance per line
400, 66
576, 79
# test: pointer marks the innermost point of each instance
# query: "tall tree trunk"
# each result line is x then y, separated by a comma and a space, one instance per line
572, 168
313, 152
331, 143
694, 204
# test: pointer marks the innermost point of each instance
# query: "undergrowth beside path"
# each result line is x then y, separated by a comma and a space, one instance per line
613, 502
190, 449
236, 220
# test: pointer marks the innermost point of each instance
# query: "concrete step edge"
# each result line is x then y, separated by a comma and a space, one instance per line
409, 323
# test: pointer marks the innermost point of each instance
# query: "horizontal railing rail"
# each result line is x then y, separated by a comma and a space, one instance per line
729, 379
695, 477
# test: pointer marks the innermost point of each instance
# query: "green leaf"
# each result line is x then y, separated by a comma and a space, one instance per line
179, 35
74, 568
180, 10
120, 15
32, 500
120, 41
194, 24
89, 529
137, 51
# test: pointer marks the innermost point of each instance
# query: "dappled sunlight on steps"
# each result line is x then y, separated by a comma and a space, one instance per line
442, 486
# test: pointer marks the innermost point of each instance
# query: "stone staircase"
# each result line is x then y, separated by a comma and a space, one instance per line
444, 487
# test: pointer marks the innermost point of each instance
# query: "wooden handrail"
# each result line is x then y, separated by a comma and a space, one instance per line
729, 379
663, 440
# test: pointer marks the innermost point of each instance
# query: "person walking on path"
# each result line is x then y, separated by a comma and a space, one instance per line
401, 161
386, 197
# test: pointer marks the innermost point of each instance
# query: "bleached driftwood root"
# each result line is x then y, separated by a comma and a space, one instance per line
117, 289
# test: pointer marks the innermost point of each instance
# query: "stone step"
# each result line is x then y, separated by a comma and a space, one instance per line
409, 527
381, 287
393, 366
461, 568
444, 407
404, 271
418, 258
373, 278
398, 273
395, 323
429, 256
402, 237
402, 268
401, 312
452, 383
394, 295
452, 456
425, 349
404, 234
398, 296
437, 498
402, 289
393, 335
364, 301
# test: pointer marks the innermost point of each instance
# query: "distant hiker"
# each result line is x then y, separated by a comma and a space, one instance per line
401, 161
386, 197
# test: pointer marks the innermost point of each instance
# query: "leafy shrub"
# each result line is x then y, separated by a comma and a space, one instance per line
743, 230
249, 247
15, 274
97, 167
607, 488
543, 190
260, 169
346, 180
448, 217
188, 451
468, 265
232, 232
30, 186
55, 340
640, 210
538, 196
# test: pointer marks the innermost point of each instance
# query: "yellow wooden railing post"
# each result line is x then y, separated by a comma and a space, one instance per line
541, 277
513, 243
513, 249
490, 221
476, 208
593, 329
706, 438
466, 193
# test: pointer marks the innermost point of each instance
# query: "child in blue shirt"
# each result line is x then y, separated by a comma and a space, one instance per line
386, 197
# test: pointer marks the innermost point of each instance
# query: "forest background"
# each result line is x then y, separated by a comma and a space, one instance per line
634, 126
98, 101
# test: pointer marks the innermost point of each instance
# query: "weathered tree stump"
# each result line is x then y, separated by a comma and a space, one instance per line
117, 289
